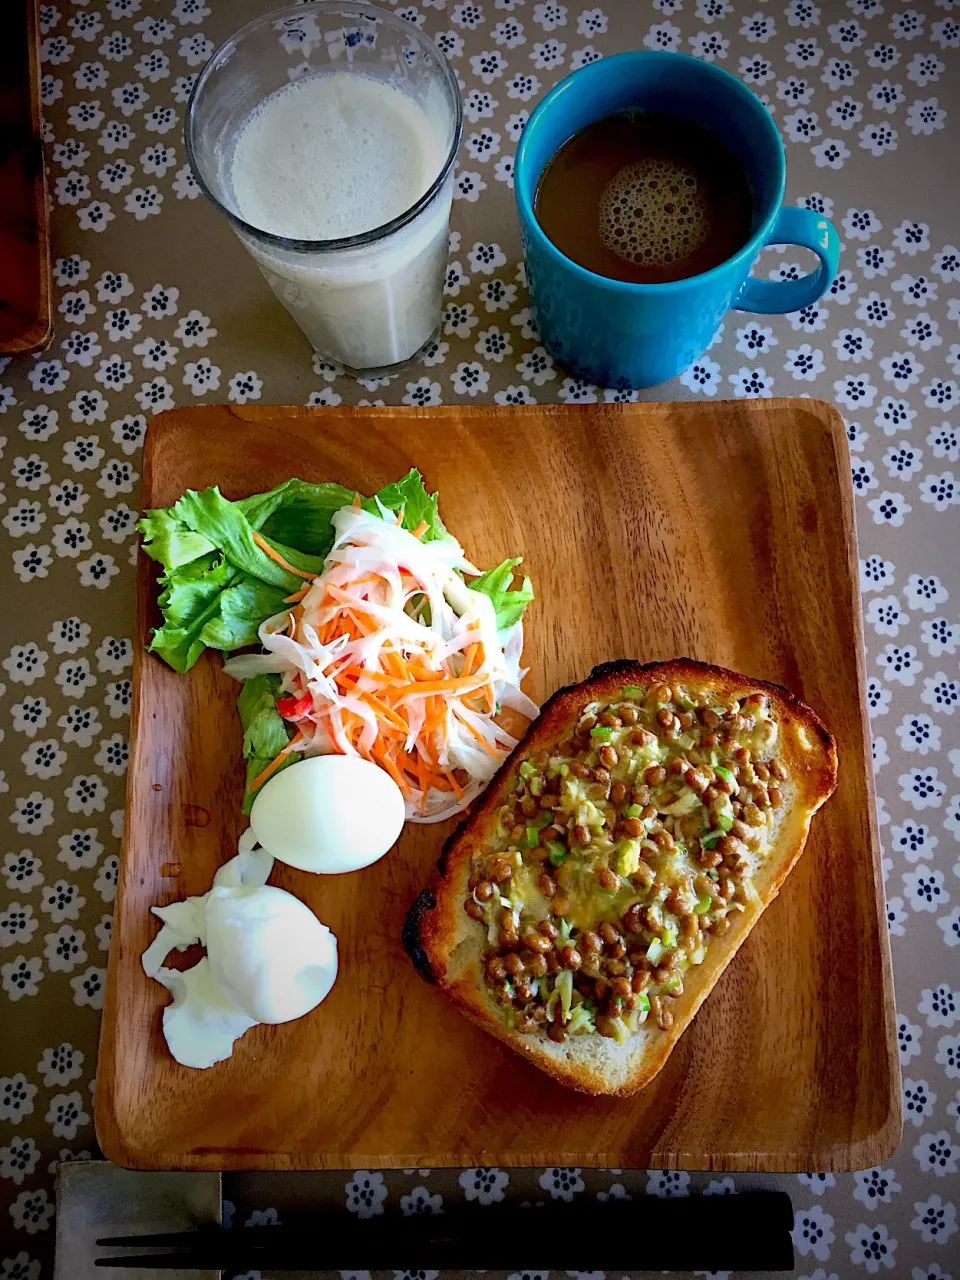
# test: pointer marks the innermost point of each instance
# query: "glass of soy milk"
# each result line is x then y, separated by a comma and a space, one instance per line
327, 134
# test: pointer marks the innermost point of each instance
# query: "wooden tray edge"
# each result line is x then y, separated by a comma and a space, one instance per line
109, 1131
887, 1138
865, 1154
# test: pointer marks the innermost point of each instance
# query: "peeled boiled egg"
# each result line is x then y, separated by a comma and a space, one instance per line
329, 814
201, 1025
269, 959
268, 952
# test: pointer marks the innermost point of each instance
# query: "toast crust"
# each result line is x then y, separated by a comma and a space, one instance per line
446, 945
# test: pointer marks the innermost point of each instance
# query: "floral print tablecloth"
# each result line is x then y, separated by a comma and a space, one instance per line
158, 305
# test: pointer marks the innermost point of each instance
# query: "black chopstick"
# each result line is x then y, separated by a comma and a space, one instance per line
746, 1232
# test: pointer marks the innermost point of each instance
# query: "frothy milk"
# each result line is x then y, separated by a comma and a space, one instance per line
337, 155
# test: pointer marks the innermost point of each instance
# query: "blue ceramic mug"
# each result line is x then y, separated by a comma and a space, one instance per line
623, 335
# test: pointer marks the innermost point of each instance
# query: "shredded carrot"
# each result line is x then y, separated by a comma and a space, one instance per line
276, 556
379, 677
443, 686
395, 663
476, 733
391, 768
387, 713
454, 785
298, 595
274, 764
420, 530
469, 657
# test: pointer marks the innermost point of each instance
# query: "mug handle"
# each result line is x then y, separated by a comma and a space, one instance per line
811, 231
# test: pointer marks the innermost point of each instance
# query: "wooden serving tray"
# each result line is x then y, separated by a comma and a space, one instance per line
723, 532
26, 315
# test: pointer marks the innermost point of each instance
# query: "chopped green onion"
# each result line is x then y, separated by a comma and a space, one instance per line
620, 1030
643, 1002
669, 935
563, 983
632, 691
533, 836
698, 956
687, 802
601, 732
703, 905
672, 983
634, 810
527, 770
655, 950
725, 821
628, 857
581, 1019
509, 988
724, 773
557, 852
710, 839
543, 819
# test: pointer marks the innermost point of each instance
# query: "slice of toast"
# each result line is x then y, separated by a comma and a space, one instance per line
584, 910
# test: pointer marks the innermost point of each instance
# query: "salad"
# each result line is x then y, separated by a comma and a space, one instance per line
376, 636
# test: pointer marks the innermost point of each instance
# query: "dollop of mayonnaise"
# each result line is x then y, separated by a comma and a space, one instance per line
269, 959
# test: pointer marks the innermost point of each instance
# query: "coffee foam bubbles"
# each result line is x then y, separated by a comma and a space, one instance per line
654, 212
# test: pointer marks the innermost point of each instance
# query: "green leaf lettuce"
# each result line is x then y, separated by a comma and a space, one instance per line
265, 732
509, 602
219, 585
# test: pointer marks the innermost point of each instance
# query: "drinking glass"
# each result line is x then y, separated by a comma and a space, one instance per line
369, 302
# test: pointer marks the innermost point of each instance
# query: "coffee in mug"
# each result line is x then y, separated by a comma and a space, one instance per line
629, 278
645, 197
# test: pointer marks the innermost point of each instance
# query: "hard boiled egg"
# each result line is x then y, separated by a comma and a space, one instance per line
328, 814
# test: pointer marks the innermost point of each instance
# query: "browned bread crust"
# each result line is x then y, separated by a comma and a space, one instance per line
446, 945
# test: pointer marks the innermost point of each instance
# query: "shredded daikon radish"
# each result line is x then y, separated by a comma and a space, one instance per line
391, 656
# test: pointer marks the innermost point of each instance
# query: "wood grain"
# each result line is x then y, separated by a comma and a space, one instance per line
26, 317
723, 532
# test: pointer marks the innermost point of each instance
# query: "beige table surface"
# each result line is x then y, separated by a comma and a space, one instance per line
158, 305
